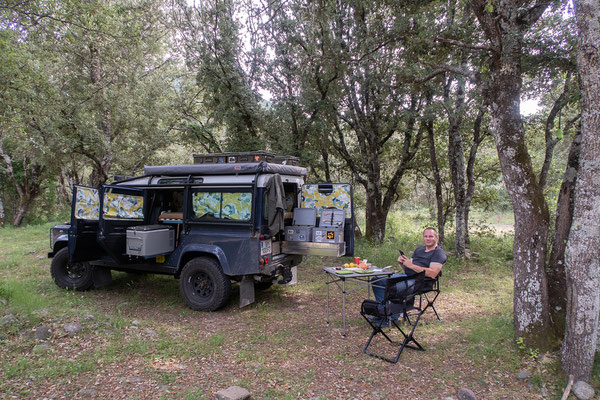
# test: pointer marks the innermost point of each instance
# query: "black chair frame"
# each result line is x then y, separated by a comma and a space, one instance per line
395, 302
429, 293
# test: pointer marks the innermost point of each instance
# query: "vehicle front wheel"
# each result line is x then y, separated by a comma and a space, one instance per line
71, 276
203, 285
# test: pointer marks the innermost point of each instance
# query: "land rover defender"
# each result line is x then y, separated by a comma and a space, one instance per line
208, 224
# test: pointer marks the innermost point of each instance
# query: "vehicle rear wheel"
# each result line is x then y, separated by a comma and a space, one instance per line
71, 276
203, 285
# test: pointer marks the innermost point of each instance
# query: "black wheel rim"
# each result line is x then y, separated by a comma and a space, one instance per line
75, 271
202, 285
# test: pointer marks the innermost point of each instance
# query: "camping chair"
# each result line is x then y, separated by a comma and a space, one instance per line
395, 301
429, 293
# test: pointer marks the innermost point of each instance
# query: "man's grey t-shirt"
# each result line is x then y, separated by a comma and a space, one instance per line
423, 258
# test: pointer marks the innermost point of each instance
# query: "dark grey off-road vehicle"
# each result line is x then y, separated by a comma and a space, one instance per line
208, 224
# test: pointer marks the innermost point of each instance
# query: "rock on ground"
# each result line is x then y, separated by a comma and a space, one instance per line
72, 328
583, 390
523, 375
8, 319
43, 332
88, 393
232, 393
466, 394
41, 348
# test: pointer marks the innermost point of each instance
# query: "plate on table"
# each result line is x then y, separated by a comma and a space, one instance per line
365, 271
345, 272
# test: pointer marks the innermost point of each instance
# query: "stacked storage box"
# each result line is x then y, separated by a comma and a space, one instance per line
331, 226
232, 158
150, 240
303, 225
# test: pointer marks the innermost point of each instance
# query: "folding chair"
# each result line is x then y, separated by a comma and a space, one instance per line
430, 292
396, 300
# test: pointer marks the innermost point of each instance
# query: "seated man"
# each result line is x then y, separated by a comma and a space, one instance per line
428, 258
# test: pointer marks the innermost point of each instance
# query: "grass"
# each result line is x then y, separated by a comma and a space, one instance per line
278, 348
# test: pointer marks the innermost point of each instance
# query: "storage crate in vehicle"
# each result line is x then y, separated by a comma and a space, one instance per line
287, 160
328, 235
150, 240
298, 233
233, 157
332, 217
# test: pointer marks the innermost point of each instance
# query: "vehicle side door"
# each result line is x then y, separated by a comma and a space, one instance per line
120, 208
85, 214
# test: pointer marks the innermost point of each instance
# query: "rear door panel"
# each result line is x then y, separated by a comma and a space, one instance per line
332, 195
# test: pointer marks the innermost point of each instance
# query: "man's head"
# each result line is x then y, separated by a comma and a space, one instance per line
430, 237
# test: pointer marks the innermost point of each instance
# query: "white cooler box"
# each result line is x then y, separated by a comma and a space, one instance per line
150, 240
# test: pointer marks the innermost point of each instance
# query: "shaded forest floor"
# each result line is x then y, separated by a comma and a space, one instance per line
138, 340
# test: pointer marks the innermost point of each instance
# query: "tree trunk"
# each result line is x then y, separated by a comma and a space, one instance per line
456, 161
376, 216
439, 199
564, 215
103, 162
1, 212
582, 255
22, 208
477, 139
504, 27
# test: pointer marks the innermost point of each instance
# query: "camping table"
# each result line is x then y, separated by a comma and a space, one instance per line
355, 281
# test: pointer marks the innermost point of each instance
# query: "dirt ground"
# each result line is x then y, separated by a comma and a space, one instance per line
139, 341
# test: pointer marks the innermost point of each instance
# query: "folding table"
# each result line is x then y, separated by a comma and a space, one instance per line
356, 280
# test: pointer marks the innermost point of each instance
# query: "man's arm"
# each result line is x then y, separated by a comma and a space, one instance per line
431, 272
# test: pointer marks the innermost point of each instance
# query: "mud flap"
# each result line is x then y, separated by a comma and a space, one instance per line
102, 277
246, 291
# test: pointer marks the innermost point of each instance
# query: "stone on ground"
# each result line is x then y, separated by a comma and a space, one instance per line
43, 332
72, 328
583, 390
466, 394
232, 393
8, 319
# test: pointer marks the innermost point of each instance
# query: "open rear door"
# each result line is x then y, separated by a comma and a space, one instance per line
120, 208
328, 196
85, 213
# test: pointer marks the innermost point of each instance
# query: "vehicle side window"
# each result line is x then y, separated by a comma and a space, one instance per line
123, 206
87, 204
235, 206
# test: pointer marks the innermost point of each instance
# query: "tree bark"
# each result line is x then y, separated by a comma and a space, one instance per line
1, 212
582, 255
564, 215
477, 139
456, 162
28, 189
437, 180
505, 27
103, 163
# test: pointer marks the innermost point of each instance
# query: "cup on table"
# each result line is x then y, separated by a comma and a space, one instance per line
356, 260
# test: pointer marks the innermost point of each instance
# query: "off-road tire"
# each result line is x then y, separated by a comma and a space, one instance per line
71, 276
203, 285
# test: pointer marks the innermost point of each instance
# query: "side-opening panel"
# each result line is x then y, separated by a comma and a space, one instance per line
85, 211
324, 196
